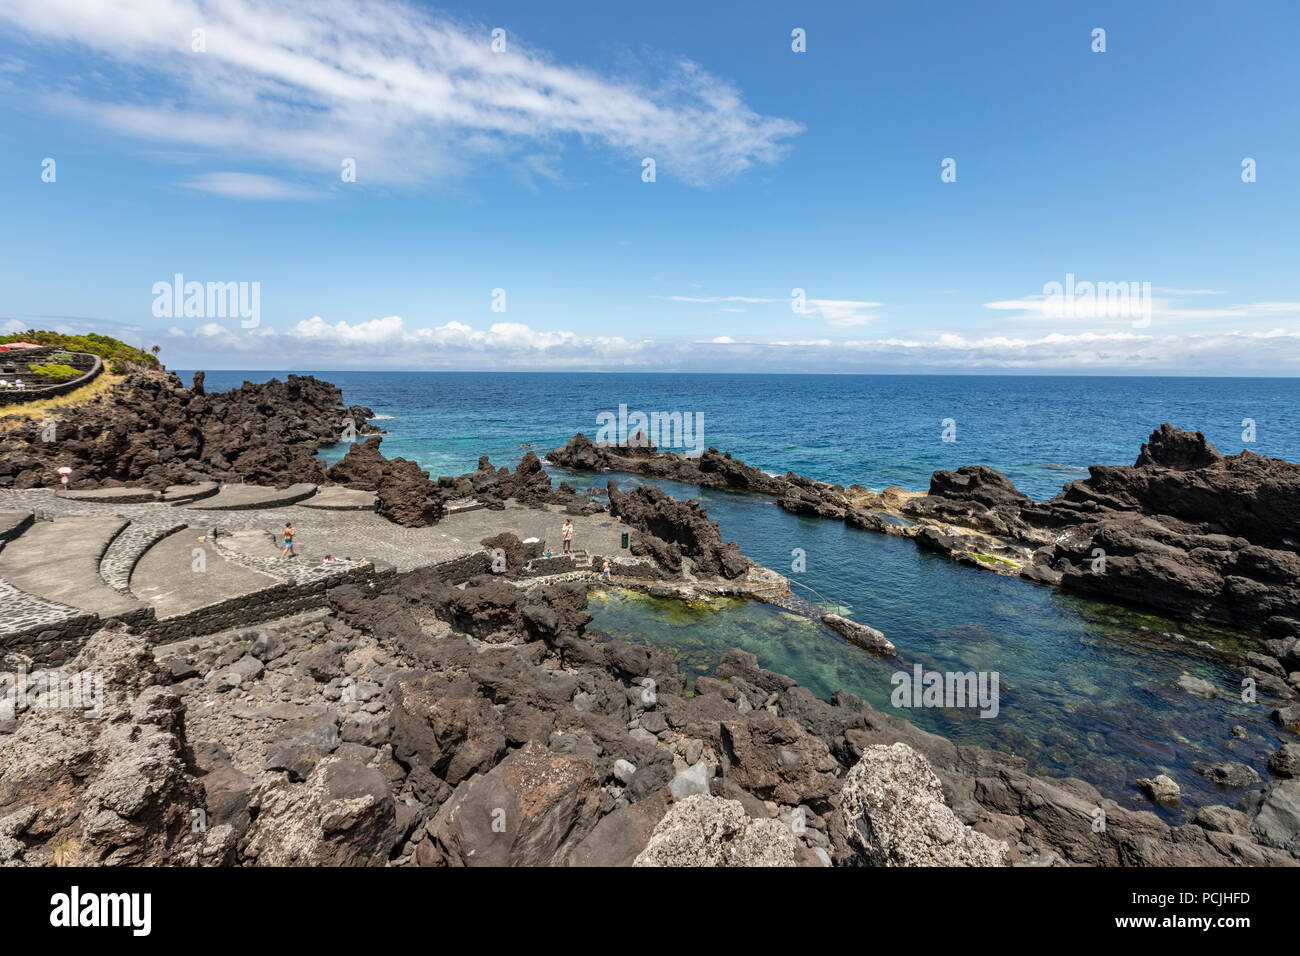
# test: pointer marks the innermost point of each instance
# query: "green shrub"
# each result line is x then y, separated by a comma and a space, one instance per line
105, 346
60, 373
63, 358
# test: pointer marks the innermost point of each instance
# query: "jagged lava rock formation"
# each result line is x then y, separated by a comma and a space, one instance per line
151, 431
431, 725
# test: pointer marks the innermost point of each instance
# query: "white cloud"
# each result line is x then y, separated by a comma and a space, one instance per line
843, 313
839, 313
388, 342
1110, 309
410, 96
247, 186
1236, 351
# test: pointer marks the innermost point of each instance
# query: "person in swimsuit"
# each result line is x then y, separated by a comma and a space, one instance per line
288, 542
566, 533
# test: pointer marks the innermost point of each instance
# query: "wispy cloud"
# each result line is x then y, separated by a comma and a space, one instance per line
410, 96
840, 313
248, 186
1101, 310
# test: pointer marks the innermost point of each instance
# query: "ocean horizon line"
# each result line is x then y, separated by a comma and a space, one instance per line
958, 374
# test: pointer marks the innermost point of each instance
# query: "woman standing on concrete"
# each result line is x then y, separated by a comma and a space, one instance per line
566, 534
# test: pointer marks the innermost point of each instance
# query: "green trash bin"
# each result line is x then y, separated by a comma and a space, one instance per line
625, 539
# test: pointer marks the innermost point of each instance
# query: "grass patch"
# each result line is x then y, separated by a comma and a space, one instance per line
60, 373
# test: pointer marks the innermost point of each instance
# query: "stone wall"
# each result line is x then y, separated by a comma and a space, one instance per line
52, 642
29, 356
50, 636
459, 570
280, 600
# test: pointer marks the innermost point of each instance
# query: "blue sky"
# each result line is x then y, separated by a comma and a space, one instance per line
522, 170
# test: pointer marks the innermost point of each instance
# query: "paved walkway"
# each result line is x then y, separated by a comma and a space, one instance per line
59, 561
354, 534
166, 578
69, 561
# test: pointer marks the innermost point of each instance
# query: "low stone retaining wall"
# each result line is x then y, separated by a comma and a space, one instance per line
555, 564
14, 396
47, 632
279, 600
459, 570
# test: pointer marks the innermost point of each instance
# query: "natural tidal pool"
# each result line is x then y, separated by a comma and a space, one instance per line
1087, 689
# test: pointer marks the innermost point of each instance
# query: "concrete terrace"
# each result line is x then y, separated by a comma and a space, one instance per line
69, 560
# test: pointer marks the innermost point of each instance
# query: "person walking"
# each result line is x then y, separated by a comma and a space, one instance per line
288, 542
566, 535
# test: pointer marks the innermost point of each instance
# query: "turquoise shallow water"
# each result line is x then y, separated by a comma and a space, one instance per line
1084, 690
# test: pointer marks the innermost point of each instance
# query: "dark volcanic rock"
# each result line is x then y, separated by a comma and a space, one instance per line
343, 815
1182, 476
150, 431
384, 733
406, 494
670, 529
112, 788
532, 809
712, 469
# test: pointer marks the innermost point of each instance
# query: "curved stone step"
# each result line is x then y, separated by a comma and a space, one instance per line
126, 550
113, 496
184, 494
167, 575
59, 561
14, 523
338, 498
251, 497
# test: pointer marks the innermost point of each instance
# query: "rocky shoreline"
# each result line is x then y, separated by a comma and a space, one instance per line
431, 725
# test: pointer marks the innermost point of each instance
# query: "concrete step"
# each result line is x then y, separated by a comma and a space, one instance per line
338, 498
59, 561
184, 494
251, 497
174, 579
126, 550
112, 496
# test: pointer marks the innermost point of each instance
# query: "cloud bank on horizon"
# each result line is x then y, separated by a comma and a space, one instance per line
253, 107
388, 343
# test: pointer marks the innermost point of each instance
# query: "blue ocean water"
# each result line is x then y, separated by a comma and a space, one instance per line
1087, 688
875, 430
